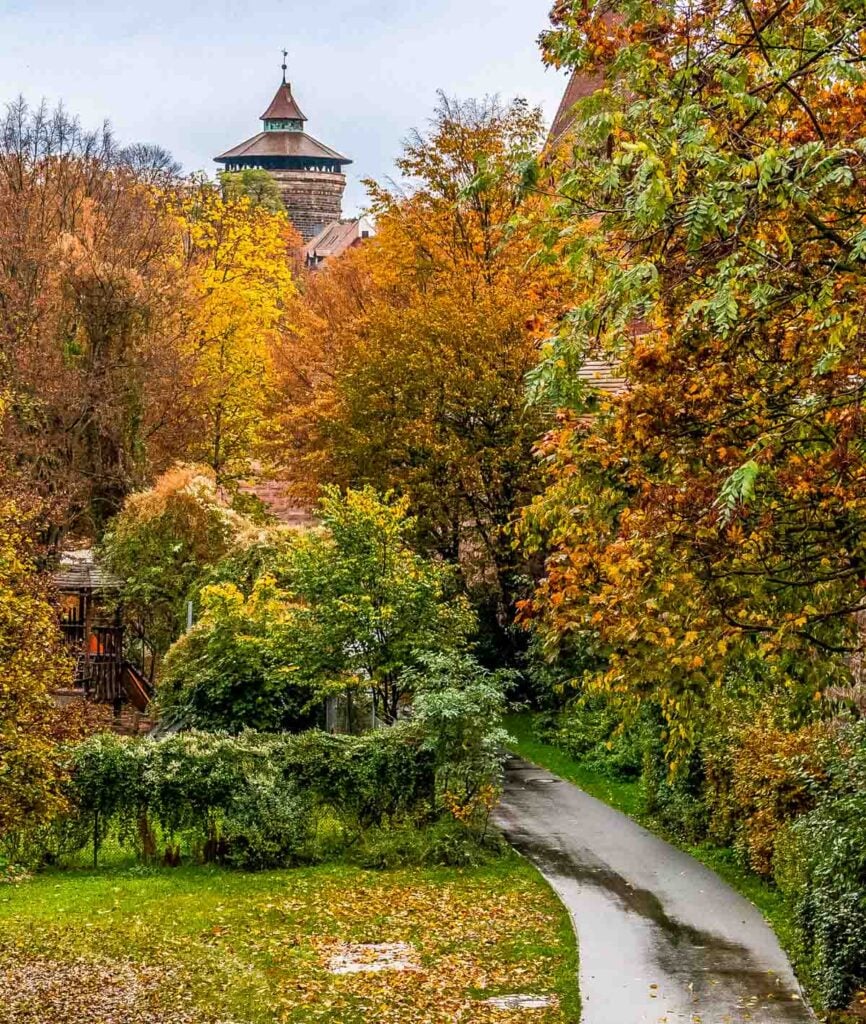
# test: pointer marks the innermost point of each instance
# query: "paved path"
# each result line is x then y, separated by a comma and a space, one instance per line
663, 940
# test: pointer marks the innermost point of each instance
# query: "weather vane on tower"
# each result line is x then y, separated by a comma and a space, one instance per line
284, 65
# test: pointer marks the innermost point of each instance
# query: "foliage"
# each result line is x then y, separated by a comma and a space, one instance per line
405, 368
345, 606
710, 204
32, 662
775, 776
259, 187
365, 604
823, 866
240, 251
137, 311
250, 800
164, 539
231, 670
195, 945
593, 732
92, 315
459, 706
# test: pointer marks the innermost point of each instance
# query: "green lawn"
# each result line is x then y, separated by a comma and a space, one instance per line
199, 945
626, 796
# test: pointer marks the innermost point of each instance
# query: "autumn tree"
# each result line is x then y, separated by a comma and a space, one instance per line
32, 661
239, 256
258, 186
164, 540
406, 367
712, 206
90, 314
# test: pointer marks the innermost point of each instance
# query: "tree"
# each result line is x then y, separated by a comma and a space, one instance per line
258, 186
32, 662
240, 255
348, 605
366, 604
406, 365
164, 540
712, 209
91, 317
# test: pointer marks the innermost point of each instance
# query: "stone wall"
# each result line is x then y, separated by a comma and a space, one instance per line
313, 198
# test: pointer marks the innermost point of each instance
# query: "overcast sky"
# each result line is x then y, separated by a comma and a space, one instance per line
194, 76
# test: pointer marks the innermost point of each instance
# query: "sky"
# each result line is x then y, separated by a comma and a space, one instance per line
194, 76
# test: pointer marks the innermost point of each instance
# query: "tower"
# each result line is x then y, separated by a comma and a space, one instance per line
309, 174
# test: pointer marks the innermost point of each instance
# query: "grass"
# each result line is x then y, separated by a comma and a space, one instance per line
626, 796
200, 945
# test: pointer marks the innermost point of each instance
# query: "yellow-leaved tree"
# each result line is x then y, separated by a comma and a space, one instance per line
241, 257
32, 662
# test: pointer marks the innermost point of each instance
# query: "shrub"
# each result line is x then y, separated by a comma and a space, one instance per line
459, 707
822, 866
268, 824
446, 842
251, 800
232, 670
365, 780
595, 733
775, 775
675, 797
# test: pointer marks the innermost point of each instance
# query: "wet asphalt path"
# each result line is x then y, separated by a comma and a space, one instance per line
663, 940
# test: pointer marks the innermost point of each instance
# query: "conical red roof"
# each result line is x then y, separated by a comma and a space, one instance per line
283, 106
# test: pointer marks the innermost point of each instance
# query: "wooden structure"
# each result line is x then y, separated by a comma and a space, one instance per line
113, 661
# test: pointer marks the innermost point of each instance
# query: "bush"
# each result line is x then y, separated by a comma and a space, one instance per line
594, 732
268, 825
365, 780
446, 842
822, 866
459, 707
676, 798
774, 777
250, 800
231, 671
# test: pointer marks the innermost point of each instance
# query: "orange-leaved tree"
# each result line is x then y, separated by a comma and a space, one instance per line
91, 315
712, 202
406, 368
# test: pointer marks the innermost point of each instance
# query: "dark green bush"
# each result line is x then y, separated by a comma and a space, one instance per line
821, 863
364, 779
251, 800
675, 799
594, 732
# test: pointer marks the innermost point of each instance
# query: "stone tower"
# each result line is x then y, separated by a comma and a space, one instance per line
309, 174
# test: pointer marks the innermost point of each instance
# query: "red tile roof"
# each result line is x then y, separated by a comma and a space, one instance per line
284, 144
579, 87
336, 238
283, 106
